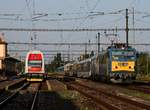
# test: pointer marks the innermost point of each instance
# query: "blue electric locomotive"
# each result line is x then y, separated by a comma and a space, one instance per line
117, 64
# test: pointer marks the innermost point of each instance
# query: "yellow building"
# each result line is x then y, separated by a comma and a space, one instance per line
3, 51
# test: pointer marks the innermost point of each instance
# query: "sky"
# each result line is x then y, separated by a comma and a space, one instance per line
72, 14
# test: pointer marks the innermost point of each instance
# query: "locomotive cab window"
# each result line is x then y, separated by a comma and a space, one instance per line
122, 54
35, 63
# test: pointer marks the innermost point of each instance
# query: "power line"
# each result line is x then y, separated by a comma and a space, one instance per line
74, 30
46, 57
28, 8
9, 14
26, 43
77, 44
88, 14
61, 54
58, 51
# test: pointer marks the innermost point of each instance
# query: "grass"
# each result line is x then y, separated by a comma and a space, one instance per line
137, 94
79, 100
143, 77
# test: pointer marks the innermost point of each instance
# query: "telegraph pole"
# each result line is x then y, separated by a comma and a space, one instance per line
85, 48
127, 28
133, 27
68, 53
98, 42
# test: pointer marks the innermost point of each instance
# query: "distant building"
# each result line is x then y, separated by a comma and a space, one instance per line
3, 51
8, 65
3, 48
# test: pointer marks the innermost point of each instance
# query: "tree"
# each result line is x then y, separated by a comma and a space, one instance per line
143, 63
57, 62
92, 53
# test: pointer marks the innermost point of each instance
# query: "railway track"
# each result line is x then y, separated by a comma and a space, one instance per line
38, 96
23, 98
3, 80
35, 98
140, 86
10, 84
143, 89
10, 97
142, 83
108, 100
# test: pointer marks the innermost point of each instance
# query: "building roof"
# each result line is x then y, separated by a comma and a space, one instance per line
12, 59
2, 41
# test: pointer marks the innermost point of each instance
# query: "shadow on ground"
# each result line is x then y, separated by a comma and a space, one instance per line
53, 101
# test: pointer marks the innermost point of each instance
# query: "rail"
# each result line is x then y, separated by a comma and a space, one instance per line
35, 98
5, 101
118, 97
97, 100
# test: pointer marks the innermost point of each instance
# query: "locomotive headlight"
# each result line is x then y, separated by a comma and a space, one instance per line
131, 67
115, 67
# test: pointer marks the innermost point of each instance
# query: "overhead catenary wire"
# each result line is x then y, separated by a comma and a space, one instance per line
43, 50
73, 30
78, 44
85, 15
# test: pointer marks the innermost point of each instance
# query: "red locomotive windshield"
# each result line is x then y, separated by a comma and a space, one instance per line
35, 57
35, 60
